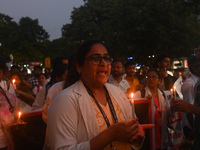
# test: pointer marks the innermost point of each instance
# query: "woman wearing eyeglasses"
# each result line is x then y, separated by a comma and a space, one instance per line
92, 114
160, 107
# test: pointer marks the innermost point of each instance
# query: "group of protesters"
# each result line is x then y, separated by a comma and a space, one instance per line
85, 100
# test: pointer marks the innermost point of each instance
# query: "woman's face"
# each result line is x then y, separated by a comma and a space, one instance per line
152, 79
42, 79
95, 75
17, 80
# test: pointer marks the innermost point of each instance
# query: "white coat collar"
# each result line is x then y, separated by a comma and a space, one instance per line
85, 104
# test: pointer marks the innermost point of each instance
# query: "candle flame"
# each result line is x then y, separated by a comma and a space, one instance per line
174, 89
131, 95
20, 113
13, 81
171, 90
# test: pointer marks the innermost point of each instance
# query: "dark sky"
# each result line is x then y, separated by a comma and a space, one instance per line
52, 14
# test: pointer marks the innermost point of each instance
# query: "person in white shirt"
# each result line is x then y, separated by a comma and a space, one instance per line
188, 92
42, 79
116, 76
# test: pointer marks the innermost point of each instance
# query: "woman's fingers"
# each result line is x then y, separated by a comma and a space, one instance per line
147, 126
141, 131
133, 124
125, 130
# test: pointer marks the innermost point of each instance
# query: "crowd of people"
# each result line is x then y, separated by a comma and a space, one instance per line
85, 101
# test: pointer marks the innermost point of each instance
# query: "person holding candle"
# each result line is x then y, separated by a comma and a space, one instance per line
91, 113
25, 95
6, 113
188, 92
160, 107
6, 85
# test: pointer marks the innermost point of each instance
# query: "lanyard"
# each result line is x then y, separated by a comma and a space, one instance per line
109, 103
158, 109
12, 108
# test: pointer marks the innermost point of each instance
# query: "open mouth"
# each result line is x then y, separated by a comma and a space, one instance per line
103, 72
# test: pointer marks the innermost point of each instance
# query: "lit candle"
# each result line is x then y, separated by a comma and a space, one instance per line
19, 115
132, 101
174, 92
14, 85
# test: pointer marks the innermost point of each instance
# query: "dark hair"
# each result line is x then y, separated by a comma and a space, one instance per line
47, 69
193, 62
17, 73
129, 63
79, 57
118, 60
155, 70
72, 75
43, 75
58, 72
84, 49
57, 61
24, 70
38, 67
161, 57
2, 64
15, 67
146, 66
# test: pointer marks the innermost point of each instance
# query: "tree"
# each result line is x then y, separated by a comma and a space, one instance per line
31, 30
9, 35
26, 41
138, 28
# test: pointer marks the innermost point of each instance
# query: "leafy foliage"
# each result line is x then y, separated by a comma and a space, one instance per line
25, 41
138, 28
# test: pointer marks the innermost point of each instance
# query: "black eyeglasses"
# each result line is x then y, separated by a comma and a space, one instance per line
97, 59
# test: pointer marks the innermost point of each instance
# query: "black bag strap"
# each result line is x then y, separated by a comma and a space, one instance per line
163, 94
12, 108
